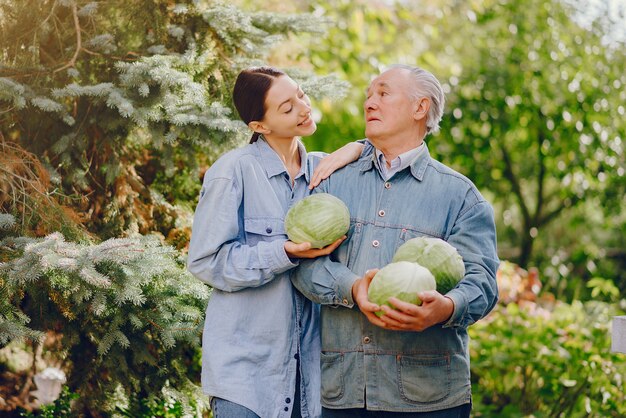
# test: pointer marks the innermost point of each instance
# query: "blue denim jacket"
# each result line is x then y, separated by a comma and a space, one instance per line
257, 325
367, 366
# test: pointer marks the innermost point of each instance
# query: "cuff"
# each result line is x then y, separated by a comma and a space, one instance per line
278, 260
343, 289
461, 307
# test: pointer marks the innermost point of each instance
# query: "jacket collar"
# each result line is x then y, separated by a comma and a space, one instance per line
273, 165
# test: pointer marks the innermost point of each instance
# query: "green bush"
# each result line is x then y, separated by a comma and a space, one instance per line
126, 315
527, 360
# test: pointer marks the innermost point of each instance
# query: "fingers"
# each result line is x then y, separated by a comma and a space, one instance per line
369, 275
428, 295
374, 319
322, 171
404, 307
332, 247
304, 249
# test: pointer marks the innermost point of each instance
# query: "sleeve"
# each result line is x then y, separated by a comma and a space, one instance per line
217, 253
322, 279
474, 236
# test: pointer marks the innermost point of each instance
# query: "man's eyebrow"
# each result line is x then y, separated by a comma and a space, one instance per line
382, 84
288, 100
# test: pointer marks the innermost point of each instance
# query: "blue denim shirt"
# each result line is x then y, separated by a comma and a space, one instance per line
257, 325
367, 366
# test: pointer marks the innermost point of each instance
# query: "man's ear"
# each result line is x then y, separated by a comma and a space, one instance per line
422, 105
257, 126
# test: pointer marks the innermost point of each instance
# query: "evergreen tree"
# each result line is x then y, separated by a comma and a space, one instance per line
109, 113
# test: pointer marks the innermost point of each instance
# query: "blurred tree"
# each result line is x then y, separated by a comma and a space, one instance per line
534, 113
537, 106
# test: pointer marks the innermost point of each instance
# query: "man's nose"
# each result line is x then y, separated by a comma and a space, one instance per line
370, 104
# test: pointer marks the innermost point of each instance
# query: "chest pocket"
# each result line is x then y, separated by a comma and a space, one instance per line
264, 229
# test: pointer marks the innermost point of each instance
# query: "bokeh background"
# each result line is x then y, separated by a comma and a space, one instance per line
111, 111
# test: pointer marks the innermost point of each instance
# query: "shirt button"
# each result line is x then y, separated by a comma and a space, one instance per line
387, 185
375, 243
296, 356
268, 230
286, 409
287, 400
381, 213
366, 340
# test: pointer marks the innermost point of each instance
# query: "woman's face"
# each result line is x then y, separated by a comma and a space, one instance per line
288, 110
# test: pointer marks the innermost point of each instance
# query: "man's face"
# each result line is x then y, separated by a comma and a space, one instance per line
389, 108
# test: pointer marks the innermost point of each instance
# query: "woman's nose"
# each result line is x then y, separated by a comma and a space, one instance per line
305, 107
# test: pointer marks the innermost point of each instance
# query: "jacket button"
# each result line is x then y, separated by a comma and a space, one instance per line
381, 213
375, 243
345, 301
366, 340
268, 230
387, 185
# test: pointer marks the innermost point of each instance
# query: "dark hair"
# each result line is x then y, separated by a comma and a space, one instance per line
250, 92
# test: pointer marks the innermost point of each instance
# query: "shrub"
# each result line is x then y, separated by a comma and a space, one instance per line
547, 362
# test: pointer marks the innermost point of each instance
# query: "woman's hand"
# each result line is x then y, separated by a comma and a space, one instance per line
304, 250
332, 162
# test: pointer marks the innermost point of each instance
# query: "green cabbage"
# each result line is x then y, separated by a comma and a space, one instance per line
441, 258
402, 280
320, 219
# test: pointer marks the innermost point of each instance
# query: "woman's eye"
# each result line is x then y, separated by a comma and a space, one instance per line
289, 110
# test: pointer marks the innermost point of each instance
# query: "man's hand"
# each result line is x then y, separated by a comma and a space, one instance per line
304, 250
359, 295
435, 309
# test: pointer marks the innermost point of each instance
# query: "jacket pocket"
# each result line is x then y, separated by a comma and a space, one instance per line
263, 229
332, 376
424, 379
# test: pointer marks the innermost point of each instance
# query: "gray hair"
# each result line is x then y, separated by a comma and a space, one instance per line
426, 84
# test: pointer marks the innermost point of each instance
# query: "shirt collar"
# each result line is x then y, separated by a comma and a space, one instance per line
417, 164
399, 163
272, 163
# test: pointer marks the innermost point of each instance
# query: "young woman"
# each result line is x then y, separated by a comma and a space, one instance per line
261, 338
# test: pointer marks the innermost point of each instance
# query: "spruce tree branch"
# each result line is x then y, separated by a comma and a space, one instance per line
79, 46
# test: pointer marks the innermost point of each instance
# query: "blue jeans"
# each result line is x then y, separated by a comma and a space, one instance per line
226, 409
462, 411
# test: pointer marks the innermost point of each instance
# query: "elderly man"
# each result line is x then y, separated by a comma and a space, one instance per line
414, 360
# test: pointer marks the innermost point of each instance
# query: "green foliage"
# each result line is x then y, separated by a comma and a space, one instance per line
61, 408
548, 363
534, 116
109, 94
128, 314
110, 112
536, 102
